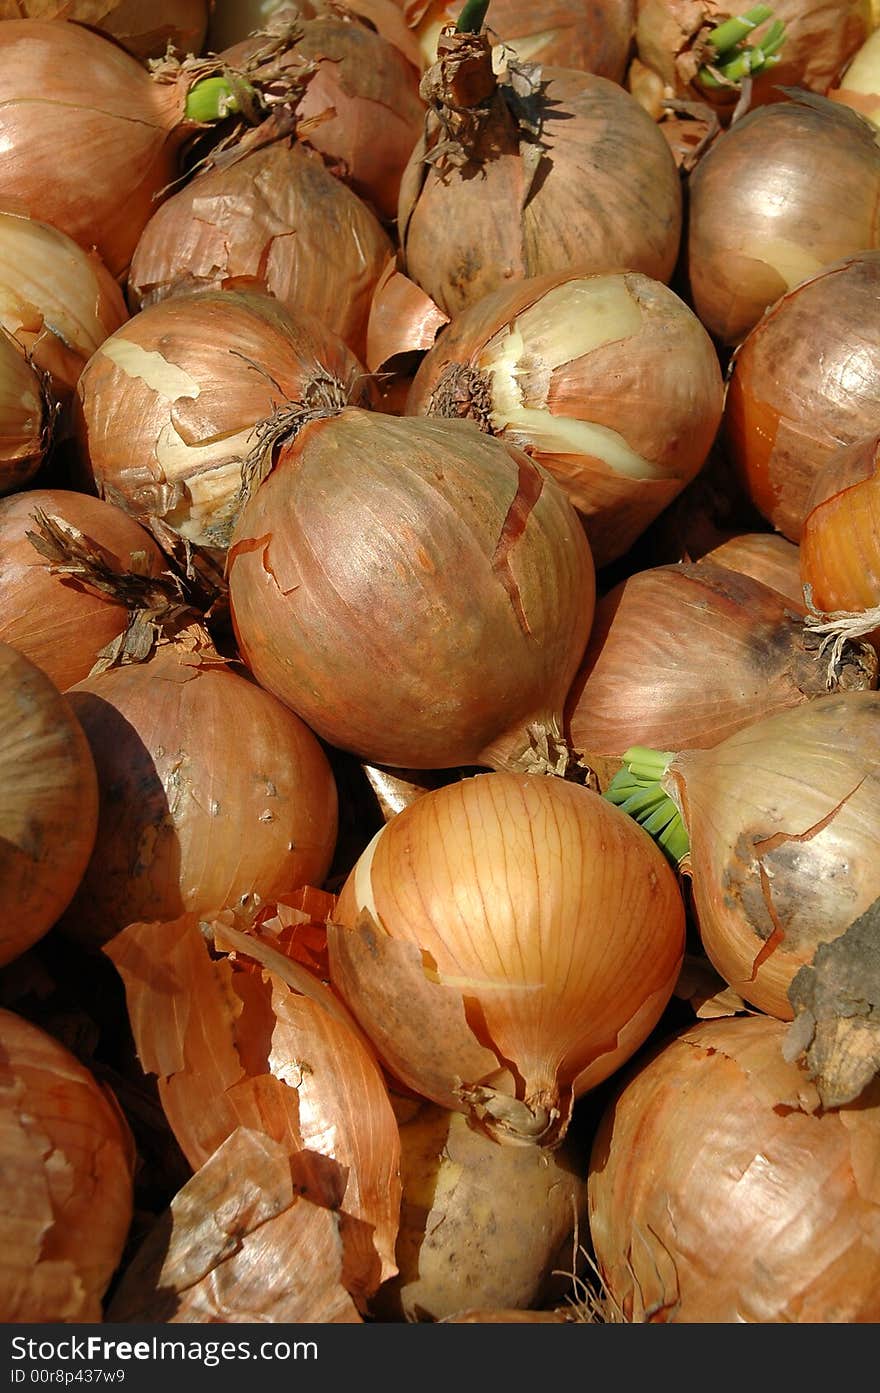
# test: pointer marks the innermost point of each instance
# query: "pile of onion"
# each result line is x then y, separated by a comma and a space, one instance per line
608, 380
507, 942
840, 541
25, 416
67, 1159
720, 1190
419, 592
758, 208
48, 803
524, 173
800, 387
143, 27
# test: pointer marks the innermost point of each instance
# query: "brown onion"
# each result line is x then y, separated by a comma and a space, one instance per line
840, 542
170, 406
48, 803
419, 592
274, 218
581, 178
758, 206
507, 942
56, 620
210, 792
143, 27
609, 381
67, 1158
805, 382
232, 21
24, 417
721, 1191
765, 556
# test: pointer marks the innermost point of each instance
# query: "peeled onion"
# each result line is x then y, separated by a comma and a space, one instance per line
859, 86
507, 942
144, 27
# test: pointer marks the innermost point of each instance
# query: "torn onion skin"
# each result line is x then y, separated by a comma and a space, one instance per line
490, 981
840, 542
787, 802
67, 1157
798, 390
608, 380
391, 575
721, 1191
48, 803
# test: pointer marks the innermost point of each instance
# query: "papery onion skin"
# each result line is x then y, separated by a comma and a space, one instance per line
58, 622
786, 803
507, 942
275, 217
765, 556
67, 1158
210, 791
605, 195
547, 361
839, 550
758, 204
48, 803
720, 1190
24, 417
167, 408
390, 574
800, 387
144, 27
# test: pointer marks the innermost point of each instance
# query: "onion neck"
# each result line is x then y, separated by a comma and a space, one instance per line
536, 748
537, 1120
641, 790
463, 392
851, 665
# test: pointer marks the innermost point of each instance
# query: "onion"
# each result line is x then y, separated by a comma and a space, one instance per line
766, 557
480, 1223
525, 173
682, 656
758, 221
210, 792
24, 417
274, 218
596, 38
49, 615
67, 1158
859, 87
237, 1044
430, 553
232, 21
839, 550
721, 1191
144, 27
609, 381
175, 401
802, 386
507, 942
48, 803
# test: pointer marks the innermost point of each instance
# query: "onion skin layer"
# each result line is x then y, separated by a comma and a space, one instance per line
720, 1190
839, 548
143, 27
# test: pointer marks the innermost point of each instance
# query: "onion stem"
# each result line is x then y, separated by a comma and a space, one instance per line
732, 32
211, 99
734, 60
470, 21
636, 789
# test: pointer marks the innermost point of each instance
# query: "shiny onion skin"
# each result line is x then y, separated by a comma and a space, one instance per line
507, 942
682, 656
801, 387
840, 542
787, 802
48, 803
67, 1158
604, 195
55, 620
758, 208
167, 409
24, 417
144, 27
275, 218
720, 1191
607, 380
417, 591
88, 141
210, 792
765, 556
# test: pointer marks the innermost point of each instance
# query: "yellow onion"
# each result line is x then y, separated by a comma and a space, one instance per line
564, 33
239, 1242
682, 656
48, 803
427, 552
171, 405
522, 174
67, 1158
52, 617
276, 219
720, 1191
758, 206
143, 27
58, 301
480, 1224
802, 386
24, 417
210, 792
245, 1037
840, 542
765, 556
507, 942
608, 380
859, 86
231, 21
